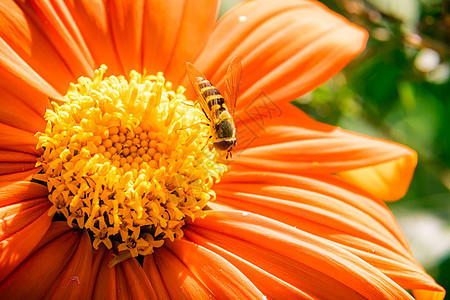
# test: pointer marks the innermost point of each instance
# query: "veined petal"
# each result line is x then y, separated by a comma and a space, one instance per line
94, 23
13, 162
135, 279
223, 279
18, 114
23, 222
19, 176
174, 33
270, 285
28, 42
126, 280
294, 256
74, 280
389, 180
15, 217
332, 209
320, 199
153, 274
61, 29
179, 281
105, 280
19, 79
302, 145
17, 191
96, 262
16, 248
287, 48
14, 139
428, 295
43, 268
406, 272
126, 26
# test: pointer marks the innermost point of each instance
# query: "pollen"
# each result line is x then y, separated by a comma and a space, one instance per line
127, 160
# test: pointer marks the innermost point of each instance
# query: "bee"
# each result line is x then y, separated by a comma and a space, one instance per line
218, 110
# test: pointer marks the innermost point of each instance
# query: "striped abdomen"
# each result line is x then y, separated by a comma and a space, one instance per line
215, 101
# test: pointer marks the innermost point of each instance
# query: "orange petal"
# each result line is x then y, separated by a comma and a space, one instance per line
74, 279
406, 272
15, 113
174, 33
15, 139
56, 230
122, 287
13, 162
126, 280
136, 281
295, 256
105, 281
153, 274
17, 245
327, 207
42, 269
427, 295
178, 279
313, 147
322, 152
16, 157
126, 26
93, 22
388, 181
322, 200
17, 191
287, 47
96, 262
55, 20
223, 279
19, 176
15, 217
26, 39
270, 285
20, 80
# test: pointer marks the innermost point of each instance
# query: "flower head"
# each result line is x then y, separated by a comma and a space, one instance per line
109, 185
127, 161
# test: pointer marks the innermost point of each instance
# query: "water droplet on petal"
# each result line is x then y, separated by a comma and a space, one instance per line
242, 18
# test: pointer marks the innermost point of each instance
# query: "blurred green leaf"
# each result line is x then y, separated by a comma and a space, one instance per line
407, 11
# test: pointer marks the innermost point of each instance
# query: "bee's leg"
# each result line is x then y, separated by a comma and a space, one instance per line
199, 123
188, 104
223, 158
207, 142
194, 104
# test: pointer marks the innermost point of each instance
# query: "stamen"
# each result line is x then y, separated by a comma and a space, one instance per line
123, 159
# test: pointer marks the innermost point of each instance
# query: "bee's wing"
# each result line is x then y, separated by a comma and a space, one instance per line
232, 82
195, 76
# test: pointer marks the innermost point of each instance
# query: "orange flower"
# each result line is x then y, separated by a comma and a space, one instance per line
298, 210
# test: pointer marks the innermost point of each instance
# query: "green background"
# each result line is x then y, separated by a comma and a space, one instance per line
398, 89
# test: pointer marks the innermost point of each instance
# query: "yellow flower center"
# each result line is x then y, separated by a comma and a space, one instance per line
128, 161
